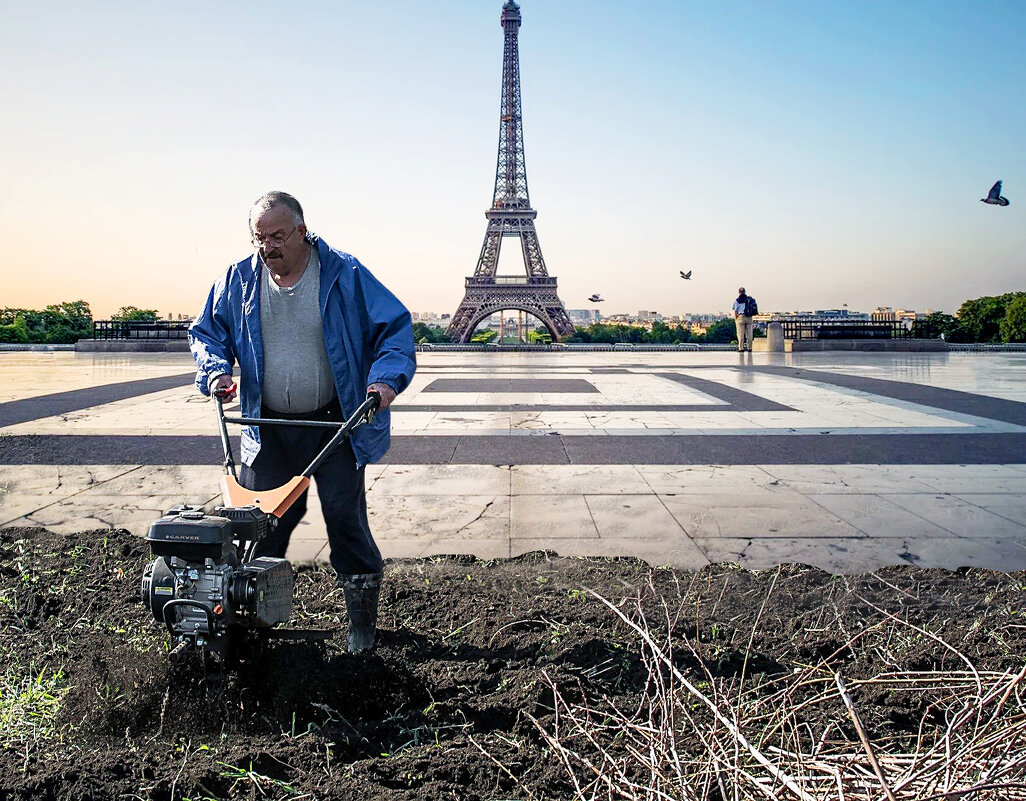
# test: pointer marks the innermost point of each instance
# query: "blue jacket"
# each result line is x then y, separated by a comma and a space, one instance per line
368, 336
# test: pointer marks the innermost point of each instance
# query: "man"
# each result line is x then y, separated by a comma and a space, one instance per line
313, 332
743, 311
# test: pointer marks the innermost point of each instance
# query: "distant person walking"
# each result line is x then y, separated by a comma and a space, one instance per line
745, 308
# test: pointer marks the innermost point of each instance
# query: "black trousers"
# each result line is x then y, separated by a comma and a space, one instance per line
286, 451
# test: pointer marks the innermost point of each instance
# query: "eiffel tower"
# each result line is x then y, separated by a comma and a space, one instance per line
510, 215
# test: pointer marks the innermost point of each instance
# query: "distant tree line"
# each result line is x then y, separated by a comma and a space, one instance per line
721, 332
58, 324
992, 318
424, 334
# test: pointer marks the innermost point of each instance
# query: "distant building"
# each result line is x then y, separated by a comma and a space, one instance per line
817, 316
584, 316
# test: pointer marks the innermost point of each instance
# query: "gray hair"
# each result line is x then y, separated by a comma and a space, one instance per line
273, 200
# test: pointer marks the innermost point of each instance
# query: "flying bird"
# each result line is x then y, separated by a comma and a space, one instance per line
686, 275
994, 197
595, 298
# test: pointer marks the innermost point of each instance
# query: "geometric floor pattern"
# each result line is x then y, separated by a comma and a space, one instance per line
845, 461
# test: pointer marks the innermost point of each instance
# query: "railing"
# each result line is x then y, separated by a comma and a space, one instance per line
848, 329
568, 346
140, 329
987, 347
510, 280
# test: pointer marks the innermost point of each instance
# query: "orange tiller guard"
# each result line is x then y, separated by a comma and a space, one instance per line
278, 500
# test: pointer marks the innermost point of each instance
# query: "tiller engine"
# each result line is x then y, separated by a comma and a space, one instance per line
205, 585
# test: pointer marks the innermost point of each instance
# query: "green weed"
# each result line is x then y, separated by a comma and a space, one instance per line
29, 706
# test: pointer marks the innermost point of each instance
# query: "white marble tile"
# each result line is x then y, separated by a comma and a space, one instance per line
301, 550
453, 517
185, 481
814, 479
835, 555
372, 472
704, 420
640, 517
546, 518
628, 421
952, 553
975, 472
26, 488
958, 517
95, 511
740, 481
458, 422
577, 480
410, 422
755, 517
1009, 506
971, 478
431, 545
550, 421
679, 552
444, 480
876, 516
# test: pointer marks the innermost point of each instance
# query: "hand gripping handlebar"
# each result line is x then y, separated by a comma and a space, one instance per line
278, 500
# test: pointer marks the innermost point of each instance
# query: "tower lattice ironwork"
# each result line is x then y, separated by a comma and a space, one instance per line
511, 215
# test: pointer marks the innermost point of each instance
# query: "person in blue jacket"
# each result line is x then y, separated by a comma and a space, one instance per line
312, 332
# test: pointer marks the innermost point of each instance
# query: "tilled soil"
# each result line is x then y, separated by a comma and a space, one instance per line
452, 702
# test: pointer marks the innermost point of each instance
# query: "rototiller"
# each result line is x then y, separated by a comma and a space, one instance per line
205, 584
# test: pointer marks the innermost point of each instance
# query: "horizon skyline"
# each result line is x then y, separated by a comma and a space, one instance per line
658, 138
174, 316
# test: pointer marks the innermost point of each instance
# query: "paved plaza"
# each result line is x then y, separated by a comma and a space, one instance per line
846, 461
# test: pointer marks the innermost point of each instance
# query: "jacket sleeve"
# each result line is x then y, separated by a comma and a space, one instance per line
210, 337
393, 358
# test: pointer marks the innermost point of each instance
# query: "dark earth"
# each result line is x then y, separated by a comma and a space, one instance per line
468, 652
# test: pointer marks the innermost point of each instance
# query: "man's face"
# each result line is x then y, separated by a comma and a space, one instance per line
278, 238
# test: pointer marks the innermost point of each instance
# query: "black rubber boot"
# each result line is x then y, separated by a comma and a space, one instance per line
361, 591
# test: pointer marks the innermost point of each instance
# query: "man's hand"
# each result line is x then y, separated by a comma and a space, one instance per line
386, 392
224, 382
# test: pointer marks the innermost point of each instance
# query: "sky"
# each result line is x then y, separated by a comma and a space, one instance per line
819, 154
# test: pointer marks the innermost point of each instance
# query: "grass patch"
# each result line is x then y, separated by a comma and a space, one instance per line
29, 705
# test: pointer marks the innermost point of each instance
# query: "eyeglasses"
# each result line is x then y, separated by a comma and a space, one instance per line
272, 241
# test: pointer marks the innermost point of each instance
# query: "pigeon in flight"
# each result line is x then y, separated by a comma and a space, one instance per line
994, 198
686, 275
595, 298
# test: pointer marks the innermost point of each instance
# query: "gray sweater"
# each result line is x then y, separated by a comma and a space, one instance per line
297, 374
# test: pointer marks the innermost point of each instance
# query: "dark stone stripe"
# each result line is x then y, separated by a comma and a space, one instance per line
733, 399
951, 400
739, 400
114, 449
557, 449
22, 411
